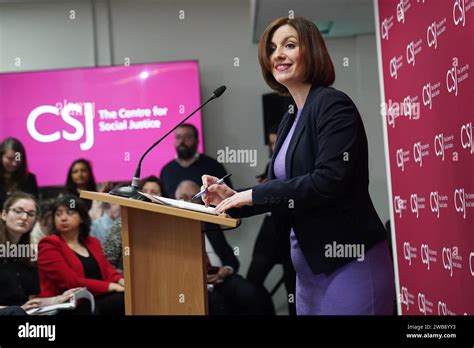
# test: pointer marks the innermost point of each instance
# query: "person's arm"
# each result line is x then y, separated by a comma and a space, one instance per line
53, 265
35, 301
218, 193
339, 137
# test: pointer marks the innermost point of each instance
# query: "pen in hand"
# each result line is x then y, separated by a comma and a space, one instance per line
218, 182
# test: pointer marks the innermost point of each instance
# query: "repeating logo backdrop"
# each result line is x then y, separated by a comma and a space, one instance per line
427, 51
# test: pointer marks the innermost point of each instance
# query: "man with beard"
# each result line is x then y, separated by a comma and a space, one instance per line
189, 163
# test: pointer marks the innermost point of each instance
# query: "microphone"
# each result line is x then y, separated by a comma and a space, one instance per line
131, 191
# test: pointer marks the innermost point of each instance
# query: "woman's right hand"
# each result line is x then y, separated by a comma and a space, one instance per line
114, 287
34, 303
215, 193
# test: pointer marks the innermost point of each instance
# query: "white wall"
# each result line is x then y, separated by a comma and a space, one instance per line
215, 32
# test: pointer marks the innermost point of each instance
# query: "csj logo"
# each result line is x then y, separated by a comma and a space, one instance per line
452, 77
441, 144
459, 12
455, 75
386, 25
462, 201
437, 202
402, 157
399, 205
443, 309
409, 252
425, 259
431, 35
420, 151
412, 50
416, 203
451, 259
395, 64
402, 8
85, 109
427, 255
433, 32
406, 297
429, 92
466, 137
424, 305
411, 107
471, 263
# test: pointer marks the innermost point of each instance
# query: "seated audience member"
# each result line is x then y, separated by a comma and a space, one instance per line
189, 163
100, 227
153, 185
113, 241
14, 174
71, 258
44, 225
19, 279
81, 177
232, 294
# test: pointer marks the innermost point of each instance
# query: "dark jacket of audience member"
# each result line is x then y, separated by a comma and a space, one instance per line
14, 176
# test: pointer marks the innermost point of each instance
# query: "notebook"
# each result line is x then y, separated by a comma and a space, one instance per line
72, 304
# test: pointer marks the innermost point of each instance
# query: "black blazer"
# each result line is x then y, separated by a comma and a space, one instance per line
325, 197
221, 247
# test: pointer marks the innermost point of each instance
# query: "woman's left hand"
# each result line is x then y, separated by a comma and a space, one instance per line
66, 295
238, 200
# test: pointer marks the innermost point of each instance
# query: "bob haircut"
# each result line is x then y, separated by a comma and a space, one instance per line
72, 202
319, 69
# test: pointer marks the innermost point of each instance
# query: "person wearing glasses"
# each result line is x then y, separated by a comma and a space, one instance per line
19, 278
70, 257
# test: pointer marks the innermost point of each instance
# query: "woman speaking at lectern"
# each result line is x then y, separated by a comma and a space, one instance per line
318, 182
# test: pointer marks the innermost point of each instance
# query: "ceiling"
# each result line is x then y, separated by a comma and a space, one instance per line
334, 18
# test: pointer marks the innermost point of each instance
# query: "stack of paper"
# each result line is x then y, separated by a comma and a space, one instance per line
179, 204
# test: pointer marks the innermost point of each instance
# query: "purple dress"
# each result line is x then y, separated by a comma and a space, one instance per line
357, 288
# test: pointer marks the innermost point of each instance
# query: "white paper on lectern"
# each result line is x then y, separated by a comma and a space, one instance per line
180, 204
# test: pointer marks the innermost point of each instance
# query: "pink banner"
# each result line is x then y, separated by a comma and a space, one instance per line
106, 115
427, 51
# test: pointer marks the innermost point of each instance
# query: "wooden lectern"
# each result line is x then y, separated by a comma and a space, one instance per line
163, 256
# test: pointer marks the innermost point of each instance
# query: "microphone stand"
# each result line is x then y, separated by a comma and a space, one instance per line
131, 191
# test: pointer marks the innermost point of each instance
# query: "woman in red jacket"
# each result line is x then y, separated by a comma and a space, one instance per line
70, 258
